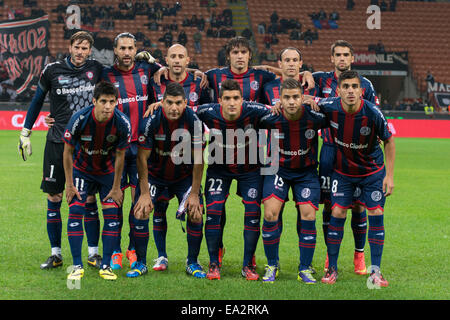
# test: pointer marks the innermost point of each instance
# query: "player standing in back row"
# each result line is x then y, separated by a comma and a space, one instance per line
132, 79
70, 85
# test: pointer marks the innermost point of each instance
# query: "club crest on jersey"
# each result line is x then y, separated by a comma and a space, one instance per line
254, 85
144, 79
67, 135
90, 75
141, 139
365, 131
193, 96
111, 138
310, 133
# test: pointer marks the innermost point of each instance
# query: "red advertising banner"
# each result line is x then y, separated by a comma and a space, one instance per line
13, 120
420, 128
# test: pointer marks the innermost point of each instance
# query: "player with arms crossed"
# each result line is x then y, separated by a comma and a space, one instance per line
96, 138
326, 86
166, 171
297, 127
70, 85
356, 127
131, 77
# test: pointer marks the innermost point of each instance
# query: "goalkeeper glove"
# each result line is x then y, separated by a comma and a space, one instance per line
25, 143
145, 55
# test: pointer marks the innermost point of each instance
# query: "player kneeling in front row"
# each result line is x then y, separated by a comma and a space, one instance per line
356, 127
170, 164
96, 138
297, 127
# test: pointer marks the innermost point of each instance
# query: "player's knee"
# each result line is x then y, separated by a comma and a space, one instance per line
338, 212
375, 212
308, 212
55, 197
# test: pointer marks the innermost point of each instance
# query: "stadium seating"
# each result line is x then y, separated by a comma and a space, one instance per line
418, 27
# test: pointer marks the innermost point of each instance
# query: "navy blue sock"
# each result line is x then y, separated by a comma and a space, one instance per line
359, 228
307, 243
75, 231
271, 241
92, 224
160, 228
141, 237
326, 216
252, 230
335, 235
194, 240
54, 224
376, 238
213, 230
110, 234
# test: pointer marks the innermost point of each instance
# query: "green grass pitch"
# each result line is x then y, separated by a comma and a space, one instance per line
415, 259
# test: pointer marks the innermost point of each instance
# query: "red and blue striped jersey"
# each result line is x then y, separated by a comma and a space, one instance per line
133, 87
96, 142
356, 137
297, 140
161, 136
195, 95
232, 142
272, 91
326, 86
252, 82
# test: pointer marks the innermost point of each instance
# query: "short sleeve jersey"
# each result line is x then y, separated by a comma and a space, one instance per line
356, 137
229, 140
133, 86
162, 136
252, 82
297, 140
96, 142
326, 86
195, 95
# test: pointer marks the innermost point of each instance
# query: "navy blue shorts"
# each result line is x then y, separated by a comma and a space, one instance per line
304, 183
88, 184
217, 186
345, 188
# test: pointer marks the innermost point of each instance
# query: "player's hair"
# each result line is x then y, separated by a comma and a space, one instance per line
105, 88
174, 89
80, 36
341, 43
280, 55
348, 74
237, 42
229, 85
291, 84
124, 35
